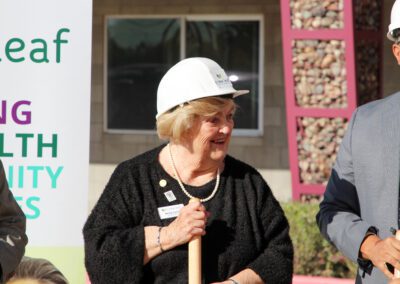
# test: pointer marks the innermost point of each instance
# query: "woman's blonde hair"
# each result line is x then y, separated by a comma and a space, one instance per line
175, 124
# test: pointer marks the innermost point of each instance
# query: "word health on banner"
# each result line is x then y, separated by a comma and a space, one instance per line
25, 180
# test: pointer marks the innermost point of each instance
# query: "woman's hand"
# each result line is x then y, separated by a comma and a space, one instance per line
381, 252
191, 222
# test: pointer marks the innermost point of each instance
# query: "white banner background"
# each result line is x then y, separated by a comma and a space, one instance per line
59, 96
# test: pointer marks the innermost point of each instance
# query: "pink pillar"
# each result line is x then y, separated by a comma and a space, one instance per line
310, 169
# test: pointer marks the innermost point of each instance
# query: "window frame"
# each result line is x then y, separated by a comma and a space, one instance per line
183, 18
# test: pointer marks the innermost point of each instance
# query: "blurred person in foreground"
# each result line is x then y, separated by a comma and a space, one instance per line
361, 201
139, 230
37, 271
12, 229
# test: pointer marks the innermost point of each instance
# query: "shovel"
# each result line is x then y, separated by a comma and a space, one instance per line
195, 257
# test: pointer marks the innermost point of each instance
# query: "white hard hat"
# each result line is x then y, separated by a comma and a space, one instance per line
191, 79
394, 20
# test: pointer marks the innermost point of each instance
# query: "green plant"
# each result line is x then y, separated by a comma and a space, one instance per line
313, 255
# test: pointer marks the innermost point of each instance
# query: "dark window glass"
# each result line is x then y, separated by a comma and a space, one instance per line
235, 46
139, 52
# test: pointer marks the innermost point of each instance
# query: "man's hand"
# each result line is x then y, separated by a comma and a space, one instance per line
380, 252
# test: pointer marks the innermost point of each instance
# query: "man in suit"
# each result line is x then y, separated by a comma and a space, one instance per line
361, 201
12, 230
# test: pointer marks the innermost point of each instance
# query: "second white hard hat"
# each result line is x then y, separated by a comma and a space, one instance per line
191, 79
394, 20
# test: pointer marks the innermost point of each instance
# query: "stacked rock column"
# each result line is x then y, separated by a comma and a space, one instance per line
332, 58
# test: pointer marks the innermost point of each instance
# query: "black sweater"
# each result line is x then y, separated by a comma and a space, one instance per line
247, 227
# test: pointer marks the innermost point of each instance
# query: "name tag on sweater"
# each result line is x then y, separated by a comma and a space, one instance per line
169, 211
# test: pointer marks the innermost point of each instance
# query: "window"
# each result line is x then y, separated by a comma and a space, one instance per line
139, 50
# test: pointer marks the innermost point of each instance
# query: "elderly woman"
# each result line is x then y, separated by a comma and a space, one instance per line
139, 230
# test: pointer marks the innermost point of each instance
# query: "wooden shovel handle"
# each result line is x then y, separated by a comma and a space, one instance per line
195, 257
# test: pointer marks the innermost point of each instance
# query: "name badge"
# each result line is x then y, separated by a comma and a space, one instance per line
167, 212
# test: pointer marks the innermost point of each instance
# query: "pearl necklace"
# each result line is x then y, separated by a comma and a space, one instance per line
171, 160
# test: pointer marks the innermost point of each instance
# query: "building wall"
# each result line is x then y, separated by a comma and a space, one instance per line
268, 153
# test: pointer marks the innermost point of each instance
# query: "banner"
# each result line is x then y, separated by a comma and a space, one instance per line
45, 67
